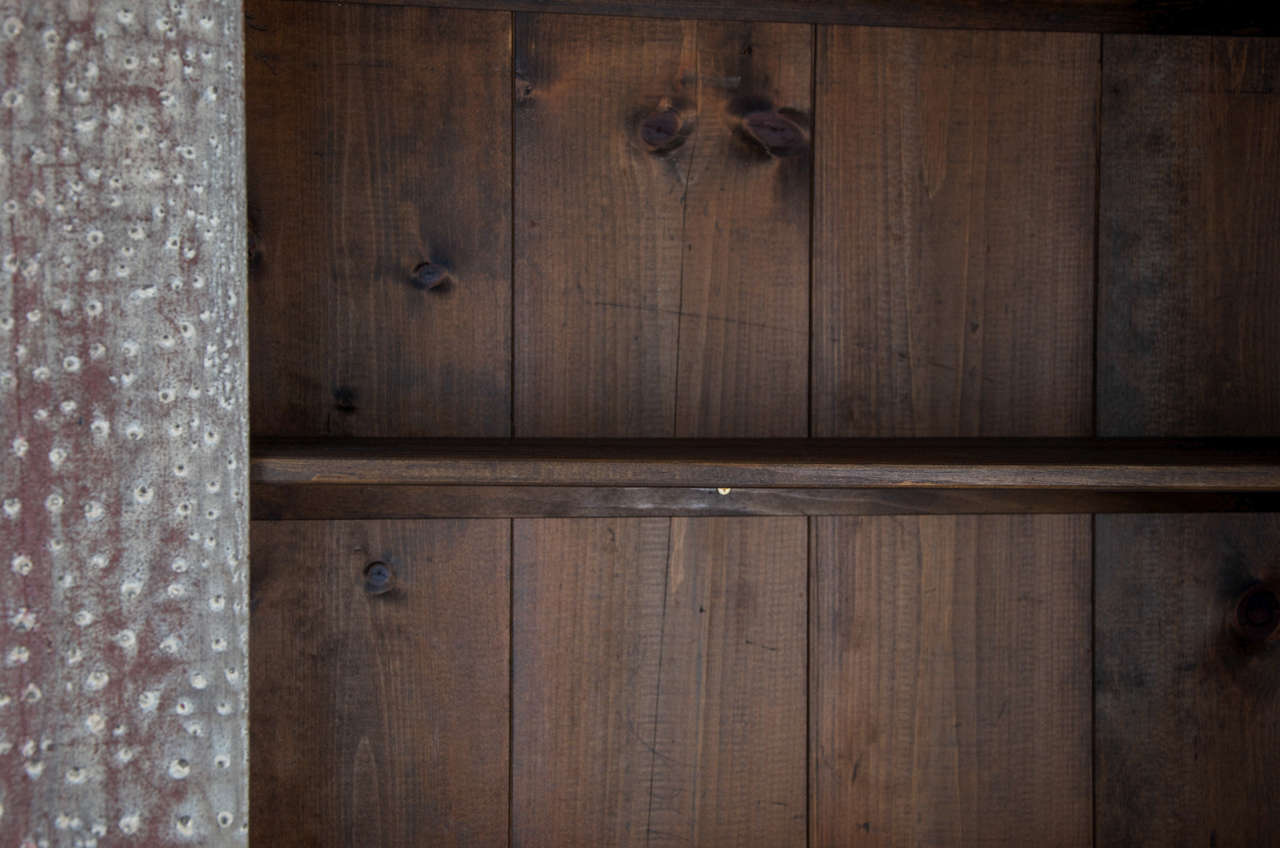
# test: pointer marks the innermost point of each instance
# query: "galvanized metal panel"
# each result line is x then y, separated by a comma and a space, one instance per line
123, 521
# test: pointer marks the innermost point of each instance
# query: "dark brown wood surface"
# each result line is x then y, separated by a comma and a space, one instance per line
1167, 16
378, 140
279, 502
958, 463
1188, 712
1186, 722
661, 252
1189, 292
380, 719
659, 682
953, 233
950, 681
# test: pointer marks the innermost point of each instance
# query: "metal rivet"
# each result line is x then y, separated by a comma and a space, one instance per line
378, 578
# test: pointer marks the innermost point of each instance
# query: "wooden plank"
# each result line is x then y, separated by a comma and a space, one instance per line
1167, 16
1225, 465
279, 502
380, 719
1188, 294
662, 251
953, 233
379, 139
658, 676
951, 681
1188, 712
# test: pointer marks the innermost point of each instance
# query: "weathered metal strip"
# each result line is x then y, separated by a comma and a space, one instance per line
123, 558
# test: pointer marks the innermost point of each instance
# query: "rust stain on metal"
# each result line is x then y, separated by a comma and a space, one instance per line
123, 525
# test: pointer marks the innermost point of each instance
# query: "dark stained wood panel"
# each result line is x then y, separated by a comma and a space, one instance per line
1168, 16
331, 501
380, 719
378, 139
661, 250
1189, 271
659, 682
955, 179
1188, 711
950, 681
1116, 465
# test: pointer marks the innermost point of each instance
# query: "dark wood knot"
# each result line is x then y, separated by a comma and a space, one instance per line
429, 275
663, 130
379, 578
1257, 615
776, 133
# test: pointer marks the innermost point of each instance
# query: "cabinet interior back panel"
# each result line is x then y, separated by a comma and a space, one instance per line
658, 682
473, 223
1189, 296
1189, 260
380, 719
378, 140
662, 177
955, 177
950, 681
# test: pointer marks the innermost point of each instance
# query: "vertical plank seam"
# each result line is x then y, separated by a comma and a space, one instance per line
809, 683
1093, 679
1093, 519
511, 309
511, 676
813, 187
1097, 228
657, 693
684, 219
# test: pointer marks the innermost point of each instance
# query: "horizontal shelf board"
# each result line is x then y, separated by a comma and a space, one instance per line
332, 502
1063, 465
1184, 17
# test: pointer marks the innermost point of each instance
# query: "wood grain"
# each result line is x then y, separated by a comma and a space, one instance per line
378, 139
953, 233
1168, 16
1188, 715
1189, 291
661, 288
335, 501
659, 693
957, 463
380, 719
951, 681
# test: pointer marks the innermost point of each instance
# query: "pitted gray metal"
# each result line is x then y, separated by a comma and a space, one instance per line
123, 487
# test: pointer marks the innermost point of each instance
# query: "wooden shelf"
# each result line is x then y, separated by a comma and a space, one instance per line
1180, 17
414, 478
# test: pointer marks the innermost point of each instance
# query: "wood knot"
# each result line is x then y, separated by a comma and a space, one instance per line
378, 578
663, 130
1257, 615
344, 399
524, 88
429, 276
775, 133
